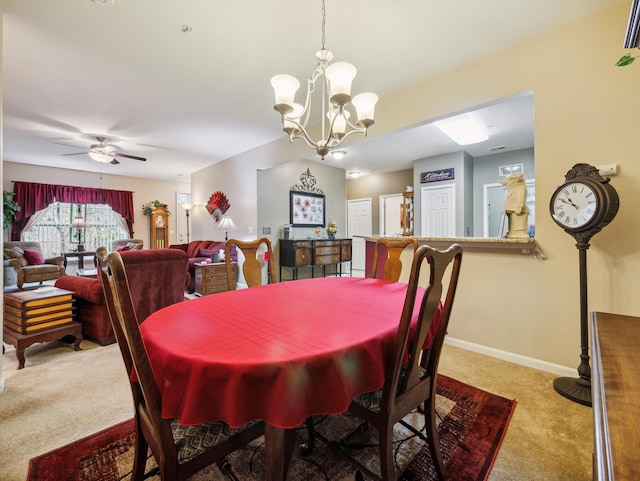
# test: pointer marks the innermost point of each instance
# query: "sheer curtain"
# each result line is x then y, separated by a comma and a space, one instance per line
33, 197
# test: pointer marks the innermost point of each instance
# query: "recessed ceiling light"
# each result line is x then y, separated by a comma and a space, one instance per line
338, 154
104, 3
462, 129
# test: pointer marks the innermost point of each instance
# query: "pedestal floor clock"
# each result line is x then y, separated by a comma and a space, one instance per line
582, 206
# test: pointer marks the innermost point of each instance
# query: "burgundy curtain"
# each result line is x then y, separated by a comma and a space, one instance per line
32, 197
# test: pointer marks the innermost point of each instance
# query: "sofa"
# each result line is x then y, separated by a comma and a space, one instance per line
157, 278
29, 263
200, 251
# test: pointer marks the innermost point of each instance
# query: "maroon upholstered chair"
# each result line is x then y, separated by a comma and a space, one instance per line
158, 278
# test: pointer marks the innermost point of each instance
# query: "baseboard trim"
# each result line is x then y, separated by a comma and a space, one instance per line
514, 358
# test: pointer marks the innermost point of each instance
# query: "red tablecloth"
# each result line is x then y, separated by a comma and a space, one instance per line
278, 353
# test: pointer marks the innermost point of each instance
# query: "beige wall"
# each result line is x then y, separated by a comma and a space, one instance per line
374, 185
586, 110
144, 190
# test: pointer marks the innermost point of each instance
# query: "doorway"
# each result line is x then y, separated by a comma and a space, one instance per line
438, 211
390, 215
359, 224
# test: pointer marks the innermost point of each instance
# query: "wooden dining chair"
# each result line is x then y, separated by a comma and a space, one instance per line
410, 377
252, 265
392, 264
179, 451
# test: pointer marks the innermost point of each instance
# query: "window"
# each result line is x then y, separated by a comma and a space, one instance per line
51, 227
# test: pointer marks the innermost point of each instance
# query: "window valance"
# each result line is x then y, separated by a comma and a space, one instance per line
32, 197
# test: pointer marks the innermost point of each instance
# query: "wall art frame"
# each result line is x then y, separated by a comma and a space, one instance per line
307, 209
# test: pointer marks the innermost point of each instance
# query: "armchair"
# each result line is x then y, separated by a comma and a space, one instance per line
29, 263
158, 279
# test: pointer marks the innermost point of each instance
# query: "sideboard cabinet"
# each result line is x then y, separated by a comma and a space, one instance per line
615, 392
313, 253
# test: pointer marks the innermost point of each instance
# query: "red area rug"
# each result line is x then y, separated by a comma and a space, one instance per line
472, 425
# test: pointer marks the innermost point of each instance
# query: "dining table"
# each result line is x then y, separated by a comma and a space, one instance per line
279, 353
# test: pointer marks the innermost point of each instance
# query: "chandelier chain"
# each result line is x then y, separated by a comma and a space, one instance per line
323, 33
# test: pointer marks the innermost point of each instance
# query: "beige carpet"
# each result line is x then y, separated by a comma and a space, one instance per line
62, 395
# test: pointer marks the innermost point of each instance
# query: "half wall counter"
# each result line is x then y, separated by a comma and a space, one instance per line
493, 244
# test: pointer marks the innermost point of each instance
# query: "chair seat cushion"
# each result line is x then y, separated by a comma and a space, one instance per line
194, 440
39, 270
371, 400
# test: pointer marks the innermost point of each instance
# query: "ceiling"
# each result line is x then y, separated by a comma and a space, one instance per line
185, 83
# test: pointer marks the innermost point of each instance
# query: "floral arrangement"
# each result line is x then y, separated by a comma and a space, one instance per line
147, 208
333, 227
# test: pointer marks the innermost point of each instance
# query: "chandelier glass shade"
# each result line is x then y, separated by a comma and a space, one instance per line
336, 104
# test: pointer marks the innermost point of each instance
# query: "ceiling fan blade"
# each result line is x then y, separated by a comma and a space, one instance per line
76, 153
70, 145
114, 162
129, 156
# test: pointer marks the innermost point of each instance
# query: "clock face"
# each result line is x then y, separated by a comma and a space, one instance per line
574, 205
159, 221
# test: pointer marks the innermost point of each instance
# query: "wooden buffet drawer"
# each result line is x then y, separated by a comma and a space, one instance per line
320, 251
212, 278
327, 259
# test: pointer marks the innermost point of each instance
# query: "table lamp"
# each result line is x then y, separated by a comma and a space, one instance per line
80, 224
226, 224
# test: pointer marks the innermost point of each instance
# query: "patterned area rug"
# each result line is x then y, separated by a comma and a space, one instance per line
472, 424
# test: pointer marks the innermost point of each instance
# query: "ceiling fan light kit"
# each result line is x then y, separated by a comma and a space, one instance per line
335, 80
105, 153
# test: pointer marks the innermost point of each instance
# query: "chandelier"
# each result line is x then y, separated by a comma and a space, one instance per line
335, 80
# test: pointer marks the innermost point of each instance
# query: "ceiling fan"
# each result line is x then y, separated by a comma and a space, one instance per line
105, 153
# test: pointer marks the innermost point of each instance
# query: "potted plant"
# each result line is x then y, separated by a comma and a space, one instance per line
9, 209
626, 60
147, 208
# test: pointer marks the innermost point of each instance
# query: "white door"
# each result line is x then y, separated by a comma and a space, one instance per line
359, 224
437, 211
390, 208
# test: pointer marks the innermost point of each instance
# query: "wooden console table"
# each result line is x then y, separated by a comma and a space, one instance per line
78, 255
314, 253
615, 393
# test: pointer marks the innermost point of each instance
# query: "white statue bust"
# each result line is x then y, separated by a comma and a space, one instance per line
515, 206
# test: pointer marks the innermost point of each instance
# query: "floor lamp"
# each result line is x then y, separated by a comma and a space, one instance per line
187, 208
